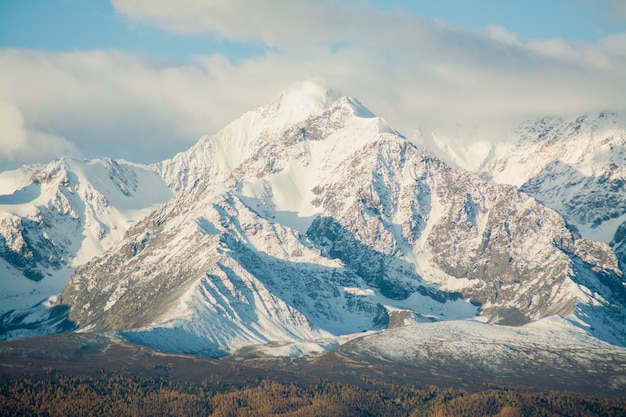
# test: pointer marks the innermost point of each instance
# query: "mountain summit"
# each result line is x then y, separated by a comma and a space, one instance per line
310, 220
311, 228
54, 217
217, 155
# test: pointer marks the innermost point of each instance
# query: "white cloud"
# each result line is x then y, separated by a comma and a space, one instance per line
110, 103
18, 145
412, 71
462, 72
274, 22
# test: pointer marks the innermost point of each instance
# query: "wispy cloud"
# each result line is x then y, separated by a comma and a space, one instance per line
411, 70
25, 145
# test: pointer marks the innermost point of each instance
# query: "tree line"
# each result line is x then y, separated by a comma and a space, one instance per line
119, 395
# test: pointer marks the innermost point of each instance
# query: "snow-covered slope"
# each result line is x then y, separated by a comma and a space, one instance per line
292, 225
58, 216
214, 157
577, 167
543, 355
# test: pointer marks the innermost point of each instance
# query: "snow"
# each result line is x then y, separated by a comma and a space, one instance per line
286, 195
276, 210
603, 233
214, 157
80, 208
18, 292
564, 159
11, 181
467, 340
209, 320
456, 284
464, 146
25, 195
308, 348
301, 100
359, 291
501, 346
233, 240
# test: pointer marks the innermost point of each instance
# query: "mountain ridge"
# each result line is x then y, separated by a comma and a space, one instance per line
64, 214
309, 228
574, 165
362, 197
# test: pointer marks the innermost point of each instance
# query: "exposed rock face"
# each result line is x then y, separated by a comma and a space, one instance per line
576, 167
586, 179
66, 213
331, 224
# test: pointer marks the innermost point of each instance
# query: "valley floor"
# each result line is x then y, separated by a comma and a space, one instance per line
93, 374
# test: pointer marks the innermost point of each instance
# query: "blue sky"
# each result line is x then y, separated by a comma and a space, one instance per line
143, 79
68, 25
572, 20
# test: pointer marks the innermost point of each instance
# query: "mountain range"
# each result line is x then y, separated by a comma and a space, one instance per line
310, 228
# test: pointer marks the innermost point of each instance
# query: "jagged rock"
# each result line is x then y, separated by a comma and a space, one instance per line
293, 226
62, 215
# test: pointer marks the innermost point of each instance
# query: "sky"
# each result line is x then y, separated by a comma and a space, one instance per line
143, 79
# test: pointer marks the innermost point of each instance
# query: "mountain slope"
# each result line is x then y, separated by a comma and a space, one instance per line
331, 223
214, 157
547, 355
58, 216
575, 166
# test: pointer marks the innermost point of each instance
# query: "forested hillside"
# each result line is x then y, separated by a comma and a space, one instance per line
115, 394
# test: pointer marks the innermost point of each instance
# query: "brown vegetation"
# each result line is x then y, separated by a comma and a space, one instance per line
115, 394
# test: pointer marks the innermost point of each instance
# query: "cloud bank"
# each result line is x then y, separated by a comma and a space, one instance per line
414, 72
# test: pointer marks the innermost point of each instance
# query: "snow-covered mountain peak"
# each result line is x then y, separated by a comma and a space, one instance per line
309, 217
285, 170
214, 156
573, 165
60, 215
587, 143
576, 166
303, 114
